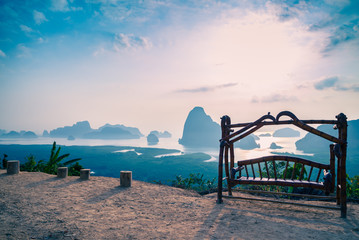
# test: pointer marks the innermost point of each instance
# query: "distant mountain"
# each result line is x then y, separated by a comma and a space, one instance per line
164, 134
110, 133
275, 146
77, 130
286, 132
11, 134
200, 130
45, 133
84, 130
248, 143
152, 139
313, 144
22, 134
265, 135
29, 134
132, 130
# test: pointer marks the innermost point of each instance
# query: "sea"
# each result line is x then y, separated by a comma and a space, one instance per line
287, 144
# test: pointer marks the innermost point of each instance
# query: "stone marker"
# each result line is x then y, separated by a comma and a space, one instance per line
125, 178
13, 167
62, 172
85, 174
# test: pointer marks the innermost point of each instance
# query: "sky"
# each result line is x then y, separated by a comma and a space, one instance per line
146, 64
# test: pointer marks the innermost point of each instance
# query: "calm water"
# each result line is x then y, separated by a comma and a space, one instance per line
288, 145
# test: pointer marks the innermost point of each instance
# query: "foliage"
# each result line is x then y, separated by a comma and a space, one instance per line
280, 168
195, 182
31, 166
74, 169
353, 187
54, 162
108, 161
4, 161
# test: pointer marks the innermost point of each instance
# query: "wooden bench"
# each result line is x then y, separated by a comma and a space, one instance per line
298, 172
286, 178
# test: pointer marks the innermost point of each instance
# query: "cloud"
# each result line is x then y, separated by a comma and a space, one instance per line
334, 83
344, 33
115, 12
328, 82
274, 98
129, 41
348, 87
207, 88
25, 29
337, 18
2, 54
60, 5
63, 6
39, 17
24, 51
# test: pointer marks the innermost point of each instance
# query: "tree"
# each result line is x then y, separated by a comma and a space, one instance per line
55, 160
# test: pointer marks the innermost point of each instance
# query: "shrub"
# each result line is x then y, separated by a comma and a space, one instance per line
195, 182
353, 187
4, 161
54, 162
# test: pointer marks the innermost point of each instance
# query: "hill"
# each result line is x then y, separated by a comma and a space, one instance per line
84, 130
311, 143
286, 132
41, 206
200, 130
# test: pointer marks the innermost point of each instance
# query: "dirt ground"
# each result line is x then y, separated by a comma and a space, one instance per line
42, 206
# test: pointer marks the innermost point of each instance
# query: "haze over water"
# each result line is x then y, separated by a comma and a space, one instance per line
288, 145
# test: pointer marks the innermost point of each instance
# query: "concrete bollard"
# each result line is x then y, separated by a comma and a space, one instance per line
13, 167
125, 178
85, 174
62, 172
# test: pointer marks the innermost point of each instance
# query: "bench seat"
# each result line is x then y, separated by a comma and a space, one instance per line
273, 181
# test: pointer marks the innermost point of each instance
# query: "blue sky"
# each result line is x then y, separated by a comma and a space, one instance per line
148, 63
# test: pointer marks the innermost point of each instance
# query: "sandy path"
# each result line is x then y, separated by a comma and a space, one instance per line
41, 206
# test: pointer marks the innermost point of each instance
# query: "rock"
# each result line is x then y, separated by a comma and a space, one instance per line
275, 146
45, 133
286, 132
152, 139
247, 143
76, 130
108, 131
311, 143
111, 133
29, 134
132, 130
265, 135
12, 134
164, 134
200, 130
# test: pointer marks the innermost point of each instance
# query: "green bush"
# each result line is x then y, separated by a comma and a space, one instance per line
54, 162
195, 182
353, 187
4, 162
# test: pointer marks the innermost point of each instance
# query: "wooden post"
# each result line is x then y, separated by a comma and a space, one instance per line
85, 174
125, 178
13, 167
62, 172
220, 173
343, 126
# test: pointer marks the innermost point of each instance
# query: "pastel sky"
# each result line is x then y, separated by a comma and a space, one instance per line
146, 64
